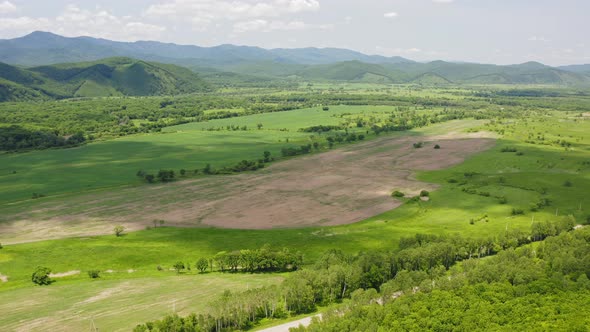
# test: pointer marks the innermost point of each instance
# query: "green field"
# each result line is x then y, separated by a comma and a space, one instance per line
114, 163
117, 304
548, 161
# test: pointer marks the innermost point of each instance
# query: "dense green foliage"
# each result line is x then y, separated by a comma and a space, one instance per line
526, 289
108, 77
420, 266
14, 138
41, 276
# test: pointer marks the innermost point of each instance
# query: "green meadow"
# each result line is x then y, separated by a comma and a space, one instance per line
543, 157
114, 163
558, 175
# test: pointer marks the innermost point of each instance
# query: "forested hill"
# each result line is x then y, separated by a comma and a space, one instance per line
108, 77
436, 72
255, 63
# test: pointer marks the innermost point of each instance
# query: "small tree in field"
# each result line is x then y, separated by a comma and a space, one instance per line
202, 264
1, 246
436, 147
94, 274
179, 266
119, 230
150, 178
41, 276
398, 194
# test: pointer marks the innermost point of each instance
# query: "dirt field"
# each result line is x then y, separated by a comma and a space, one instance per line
337, 187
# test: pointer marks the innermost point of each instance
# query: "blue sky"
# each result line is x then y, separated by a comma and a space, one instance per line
489, 31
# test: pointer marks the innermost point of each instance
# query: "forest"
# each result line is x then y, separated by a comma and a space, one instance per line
429, 283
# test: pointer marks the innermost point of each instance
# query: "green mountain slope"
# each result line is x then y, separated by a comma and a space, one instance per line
109, 77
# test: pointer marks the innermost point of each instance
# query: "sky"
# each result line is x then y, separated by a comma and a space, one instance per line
553, 32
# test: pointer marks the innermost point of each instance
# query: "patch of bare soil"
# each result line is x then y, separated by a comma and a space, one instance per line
64, 274
125, 287
342, 186
3, 278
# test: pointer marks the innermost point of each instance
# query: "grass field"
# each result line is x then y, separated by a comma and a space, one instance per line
114, 163
521, 179
115, 304
549, 162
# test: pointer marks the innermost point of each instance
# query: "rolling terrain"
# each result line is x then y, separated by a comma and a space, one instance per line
247, 63
509, 161
104, 78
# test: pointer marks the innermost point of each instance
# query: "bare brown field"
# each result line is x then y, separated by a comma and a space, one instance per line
342, 186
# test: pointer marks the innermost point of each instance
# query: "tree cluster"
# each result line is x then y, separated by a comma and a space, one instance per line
547, 286
420, 266
16, 138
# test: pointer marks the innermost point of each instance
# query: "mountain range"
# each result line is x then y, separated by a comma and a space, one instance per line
108, 77
33, 67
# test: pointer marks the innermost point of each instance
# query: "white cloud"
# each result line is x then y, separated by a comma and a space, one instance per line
74, 21
390, 15
202, 13
443, 1
267, 26
26, 24
399, 51
7, 7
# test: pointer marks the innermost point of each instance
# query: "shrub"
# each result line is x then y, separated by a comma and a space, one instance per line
119, 230
502, 200
424, 193
202, 264
516, 212
179, 266
94, 274
397, 194
418, 145
325, 108
568, 183
160, 268
436, 147
508, 149
1, 246
520, 153
41, 276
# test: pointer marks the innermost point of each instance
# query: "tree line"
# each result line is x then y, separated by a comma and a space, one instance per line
169, 175
337, 275
518, 289
17, 138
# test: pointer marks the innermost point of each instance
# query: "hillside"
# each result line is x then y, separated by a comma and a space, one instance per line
582, 69
436, 72
251, 64
109, 77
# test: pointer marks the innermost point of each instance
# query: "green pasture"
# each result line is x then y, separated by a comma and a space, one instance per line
522, 180
113, 304
114, 163
551, 163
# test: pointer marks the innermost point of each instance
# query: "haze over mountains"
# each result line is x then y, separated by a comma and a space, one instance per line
109, 68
